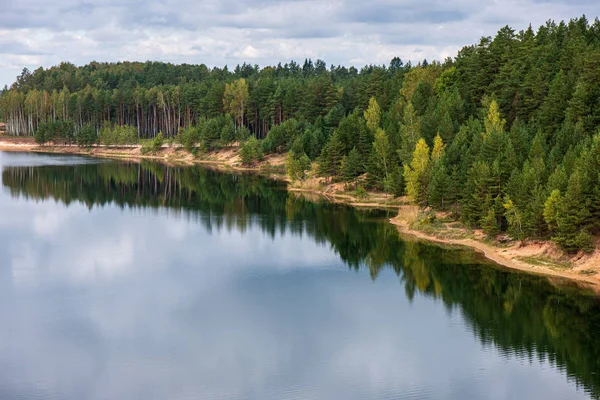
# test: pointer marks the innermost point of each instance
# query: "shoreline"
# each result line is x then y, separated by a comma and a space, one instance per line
505, 257
586, 275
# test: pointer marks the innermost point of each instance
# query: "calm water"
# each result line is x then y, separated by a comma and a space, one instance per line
126, 281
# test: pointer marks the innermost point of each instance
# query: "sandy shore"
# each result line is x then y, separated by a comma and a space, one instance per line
583, 269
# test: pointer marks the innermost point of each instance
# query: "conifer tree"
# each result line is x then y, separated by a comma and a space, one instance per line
351, 166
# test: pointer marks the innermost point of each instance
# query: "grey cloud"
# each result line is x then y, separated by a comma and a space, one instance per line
13, 47
217, 32
81, 9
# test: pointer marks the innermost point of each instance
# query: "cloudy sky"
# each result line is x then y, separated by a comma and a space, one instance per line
37, 33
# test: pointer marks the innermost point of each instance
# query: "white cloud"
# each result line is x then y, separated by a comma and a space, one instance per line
37, 33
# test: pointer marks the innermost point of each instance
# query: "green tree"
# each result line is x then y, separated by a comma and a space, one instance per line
351, 166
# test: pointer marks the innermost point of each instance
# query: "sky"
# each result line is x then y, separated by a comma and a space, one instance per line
36, 33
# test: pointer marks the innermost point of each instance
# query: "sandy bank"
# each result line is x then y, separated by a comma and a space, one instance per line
542, 258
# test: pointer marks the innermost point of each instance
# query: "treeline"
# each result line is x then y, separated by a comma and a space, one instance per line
505, 135
524, 316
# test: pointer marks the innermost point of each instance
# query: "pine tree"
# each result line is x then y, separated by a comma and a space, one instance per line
514, 219
489, 222
438, 186
572, 217
351, 166
331, 157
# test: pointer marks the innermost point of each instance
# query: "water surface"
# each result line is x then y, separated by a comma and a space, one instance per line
141, 281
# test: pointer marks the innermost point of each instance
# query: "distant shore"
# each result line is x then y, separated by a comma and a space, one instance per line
541, 257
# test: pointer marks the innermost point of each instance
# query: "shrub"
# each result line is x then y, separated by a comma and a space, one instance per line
146, 146
188, 137
55, 131
242, 133
152, 145
361, 193
251, 152
118, 135
228, 133
297, 165
126, 135
40, 135
157, 142
106, 136
86, 136
281, 137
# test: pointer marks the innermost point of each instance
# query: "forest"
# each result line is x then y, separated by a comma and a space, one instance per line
505, 136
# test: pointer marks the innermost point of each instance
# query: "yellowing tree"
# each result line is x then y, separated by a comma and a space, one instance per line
438, 149
417, 76
493, 122
416, 174
373, 115
235, 98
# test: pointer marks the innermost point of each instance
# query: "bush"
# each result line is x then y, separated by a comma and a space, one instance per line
152, 145
251, 152
146, 146
107, 137
55, 131
157, 142
281, 137
118, 135
40, 135
212, 131
188, 137
361, 193
228, 133
242, 133
126, 135
297, 165
86, 136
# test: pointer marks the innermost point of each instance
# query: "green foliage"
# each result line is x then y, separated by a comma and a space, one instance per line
118, 136
188, 138
361, 193
58, 132
40, 135
296, 166
351, 166
331, 157
281, 137
86, 136
157, 142
251, 152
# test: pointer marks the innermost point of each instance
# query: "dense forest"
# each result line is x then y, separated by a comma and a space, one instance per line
505, 135
553, 324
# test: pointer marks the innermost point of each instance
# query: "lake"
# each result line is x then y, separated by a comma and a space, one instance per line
143, 281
